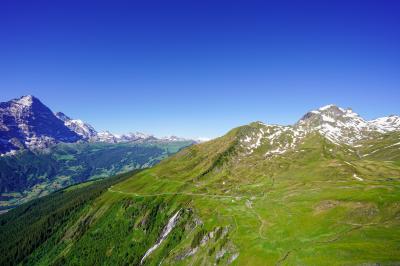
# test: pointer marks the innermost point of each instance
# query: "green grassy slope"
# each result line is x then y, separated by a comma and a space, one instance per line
316, 204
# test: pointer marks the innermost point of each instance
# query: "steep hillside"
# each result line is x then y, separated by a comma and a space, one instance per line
260, 195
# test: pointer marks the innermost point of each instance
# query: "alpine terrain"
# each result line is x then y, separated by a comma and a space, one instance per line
26, 123
42, 151
324, 191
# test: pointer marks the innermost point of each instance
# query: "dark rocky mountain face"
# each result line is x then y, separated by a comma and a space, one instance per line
28, 123
83, 129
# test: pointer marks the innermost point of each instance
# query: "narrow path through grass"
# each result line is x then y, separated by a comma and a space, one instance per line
175, 193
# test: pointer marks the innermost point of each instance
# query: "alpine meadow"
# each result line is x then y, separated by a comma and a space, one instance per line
199, 133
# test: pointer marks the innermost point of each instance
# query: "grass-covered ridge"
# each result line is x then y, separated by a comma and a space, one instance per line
318, 203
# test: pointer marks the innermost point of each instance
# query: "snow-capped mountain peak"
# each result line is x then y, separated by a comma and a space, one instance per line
386, 124
335, 123
78, 126
26, 100
331, 113
136, 136
105, 136
327, 107
344, 125
27, 123
339, 125
173, 138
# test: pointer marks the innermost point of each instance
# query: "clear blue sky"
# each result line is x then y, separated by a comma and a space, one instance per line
200, 68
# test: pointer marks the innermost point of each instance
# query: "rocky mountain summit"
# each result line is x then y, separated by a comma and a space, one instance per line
339, 126
83, 129
26, 123
344, 125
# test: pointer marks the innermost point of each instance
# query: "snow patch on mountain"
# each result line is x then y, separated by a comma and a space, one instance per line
253, 141
25, 100
278, 139
78, 126
357, 177
386, 124
338, 125
326, 107
345, 126
105, 136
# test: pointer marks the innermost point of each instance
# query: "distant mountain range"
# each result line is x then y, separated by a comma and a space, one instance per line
26, 123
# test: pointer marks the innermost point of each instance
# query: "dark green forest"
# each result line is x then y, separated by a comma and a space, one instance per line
24, 229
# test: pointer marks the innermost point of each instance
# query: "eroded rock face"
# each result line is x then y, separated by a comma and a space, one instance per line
28, 123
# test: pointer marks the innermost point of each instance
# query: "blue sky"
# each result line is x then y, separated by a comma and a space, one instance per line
200, 68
